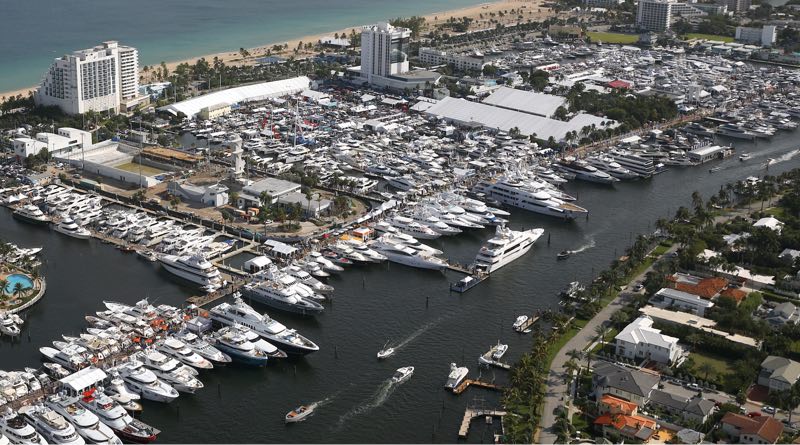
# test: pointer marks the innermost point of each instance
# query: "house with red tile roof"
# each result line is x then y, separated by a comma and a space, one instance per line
609, 404
759, 429
631, 427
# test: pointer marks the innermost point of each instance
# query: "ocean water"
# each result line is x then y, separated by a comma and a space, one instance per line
34, 32
373, 304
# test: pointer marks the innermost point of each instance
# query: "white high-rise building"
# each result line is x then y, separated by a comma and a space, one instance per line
96, 79
654, 15
384, 51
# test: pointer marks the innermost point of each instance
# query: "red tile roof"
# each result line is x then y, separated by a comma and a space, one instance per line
622, 406
620, 421
764, 427
737, 294
706, 288
618, 84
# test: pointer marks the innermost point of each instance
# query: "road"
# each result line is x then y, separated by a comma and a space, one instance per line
556, 388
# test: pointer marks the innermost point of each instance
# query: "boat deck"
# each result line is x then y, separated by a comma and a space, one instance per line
471, 413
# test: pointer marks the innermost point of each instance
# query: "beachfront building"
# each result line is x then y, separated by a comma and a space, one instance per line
654, 15
103, 78
384, 60
461, 62
61, 143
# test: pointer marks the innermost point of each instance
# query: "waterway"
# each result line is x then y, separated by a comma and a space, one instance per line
37, 31
371, 305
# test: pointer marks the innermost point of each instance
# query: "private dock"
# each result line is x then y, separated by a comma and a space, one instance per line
528, 323
471, 413
487, 360
467, 283
479, 383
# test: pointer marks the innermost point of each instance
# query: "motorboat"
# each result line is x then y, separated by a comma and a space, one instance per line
53, 427
71, 228
14, 427
115, 417
282, 297
385, 353
326, 264
70, 358
456, 376
520, 322
506, 246
144, 382
239, 312
119, 392
31, 214
8, 326
402, 374
564, 254
531, 196
203, 348
179, 376
744, 156
176, 349
403, 254
260, 344
413, 228
85, 422
499, 351
305, 278
240, 349
194, 268
300, 413
585, 172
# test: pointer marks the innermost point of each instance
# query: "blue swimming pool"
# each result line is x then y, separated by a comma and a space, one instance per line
13, 279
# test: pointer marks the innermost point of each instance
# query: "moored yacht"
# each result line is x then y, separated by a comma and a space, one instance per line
520, 193
506, 246
203, 348
193, 268
400, 253
239, 312
52, 426
413, 228
456, 376
115, 417
176, 349
240, 348
18, 431
144, 382
71, 228
585, 172
86, 423
32, 214
179, 376
279, 296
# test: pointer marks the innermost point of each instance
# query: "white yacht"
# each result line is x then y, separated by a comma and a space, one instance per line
8, 326
71, 228
52, 426
71, 358
402, 374
522, 194
179, 376
413, 228
279, 296
583, 171
144, 382
436, 224
115, 417
612, 167
203, 348
176, 349
32, 214
86, 423
410, 241
326, 264
240, 348
18, 431
506, 246
193, 268
456, 376
735, 131
239, 312
305, 278
400, 253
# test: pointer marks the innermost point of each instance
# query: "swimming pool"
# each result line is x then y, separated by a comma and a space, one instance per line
13, 279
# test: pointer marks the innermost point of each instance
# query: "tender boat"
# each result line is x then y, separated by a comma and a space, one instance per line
385, 353
402, 374
564, 254
456, 376
300, 413
520, 322
71, 228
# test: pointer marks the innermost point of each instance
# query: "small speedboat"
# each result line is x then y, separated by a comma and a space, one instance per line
564, 254
499, 351
300, 413
403, 374
520, 322
744, 156
385, 353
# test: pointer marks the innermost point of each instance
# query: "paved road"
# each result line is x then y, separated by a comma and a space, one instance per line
556, 388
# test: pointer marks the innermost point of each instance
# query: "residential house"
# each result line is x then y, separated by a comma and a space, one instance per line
778, 373
609, 404
770, 222
673, 298
696, 408
639, 340
631, 427
624, 383
782, 314
744, 429
707, 288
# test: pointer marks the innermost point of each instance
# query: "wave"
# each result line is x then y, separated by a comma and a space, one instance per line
786, 156
378, 398
590, 244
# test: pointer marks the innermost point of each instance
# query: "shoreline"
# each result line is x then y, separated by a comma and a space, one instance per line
533, 12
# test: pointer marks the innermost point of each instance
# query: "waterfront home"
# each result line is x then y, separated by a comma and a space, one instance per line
639, 341
630, 427
744, 429
778, 373
771, 223
740, 274
708, 288
609, 404
624, 383
673, 298
783, 314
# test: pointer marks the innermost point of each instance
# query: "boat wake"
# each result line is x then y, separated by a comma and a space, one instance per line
785, 157
585, 247
377, 399
421, 330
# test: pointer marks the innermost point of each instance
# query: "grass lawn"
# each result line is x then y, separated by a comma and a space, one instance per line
720, 364
134, 168
725, 39
660, 250
777, 212
580, 422
613, 37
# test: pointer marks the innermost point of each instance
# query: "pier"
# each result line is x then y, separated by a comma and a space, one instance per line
471, 413
479, 383
528, 323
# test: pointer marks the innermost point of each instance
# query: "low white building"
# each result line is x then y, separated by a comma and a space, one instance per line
463, 62
639, 340
673, 298
66, 140
771, 223
764, 36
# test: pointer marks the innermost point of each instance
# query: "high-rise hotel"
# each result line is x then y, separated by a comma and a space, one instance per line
103, 78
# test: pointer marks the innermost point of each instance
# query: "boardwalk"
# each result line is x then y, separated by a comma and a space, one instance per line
479, 383
470, 414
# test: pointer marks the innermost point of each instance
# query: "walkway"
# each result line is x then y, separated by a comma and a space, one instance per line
556, 388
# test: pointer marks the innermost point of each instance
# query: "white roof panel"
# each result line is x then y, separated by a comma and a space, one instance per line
525, 101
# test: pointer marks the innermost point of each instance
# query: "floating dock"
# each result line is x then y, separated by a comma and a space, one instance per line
487, 359
467, 283
479, 383
471, 413
528, 323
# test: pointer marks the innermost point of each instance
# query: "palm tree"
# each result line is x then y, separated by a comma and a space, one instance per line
706, 369
18, 289
601, 331
3, 285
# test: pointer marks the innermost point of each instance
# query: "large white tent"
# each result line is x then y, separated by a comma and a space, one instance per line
247, 93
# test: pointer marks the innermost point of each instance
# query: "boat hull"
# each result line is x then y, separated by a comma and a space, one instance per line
282, 305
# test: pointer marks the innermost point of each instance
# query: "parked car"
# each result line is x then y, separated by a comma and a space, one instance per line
638, 287
768, 409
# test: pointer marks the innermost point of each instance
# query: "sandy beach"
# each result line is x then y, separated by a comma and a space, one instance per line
481, 15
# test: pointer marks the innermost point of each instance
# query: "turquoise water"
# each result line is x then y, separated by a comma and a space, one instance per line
13, 279
33, 32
